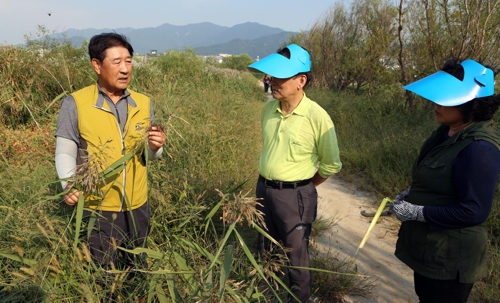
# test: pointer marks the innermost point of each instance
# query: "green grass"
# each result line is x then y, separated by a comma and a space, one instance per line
378, 137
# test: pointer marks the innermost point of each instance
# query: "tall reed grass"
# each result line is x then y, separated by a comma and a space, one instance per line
35, 78
196, 253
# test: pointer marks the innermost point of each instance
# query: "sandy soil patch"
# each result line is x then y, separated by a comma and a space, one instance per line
342, 201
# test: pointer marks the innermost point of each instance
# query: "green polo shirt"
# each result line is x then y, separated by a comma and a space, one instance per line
294, 144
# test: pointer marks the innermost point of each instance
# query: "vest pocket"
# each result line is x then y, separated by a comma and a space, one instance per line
438, 251
433, 164
430, 248
413, 239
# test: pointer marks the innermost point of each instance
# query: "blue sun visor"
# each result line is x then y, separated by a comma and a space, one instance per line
279, 66
446, 90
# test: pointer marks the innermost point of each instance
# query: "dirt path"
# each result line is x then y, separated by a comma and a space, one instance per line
341, 200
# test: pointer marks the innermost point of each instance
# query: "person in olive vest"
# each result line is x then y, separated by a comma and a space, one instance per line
300, 151
442, 237
106, 120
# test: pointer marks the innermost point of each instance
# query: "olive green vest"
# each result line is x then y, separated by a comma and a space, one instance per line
443, 254
102, 138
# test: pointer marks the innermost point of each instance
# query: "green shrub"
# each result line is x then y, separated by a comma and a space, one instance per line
379, 137
33, 79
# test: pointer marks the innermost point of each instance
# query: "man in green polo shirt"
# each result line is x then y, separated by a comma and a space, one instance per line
300, 152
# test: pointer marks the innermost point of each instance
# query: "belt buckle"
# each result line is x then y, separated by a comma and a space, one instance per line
272, 183
278, 184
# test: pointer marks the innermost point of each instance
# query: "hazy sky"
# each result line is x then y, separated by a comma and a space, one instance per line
21, 17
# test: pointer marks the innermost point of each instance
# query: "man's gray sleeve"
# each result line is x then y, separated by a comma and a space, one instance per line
66, 152
67, 122
67, 138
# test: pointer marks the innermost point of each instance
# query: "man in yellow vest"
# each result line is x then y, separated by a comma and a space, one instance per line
106, 121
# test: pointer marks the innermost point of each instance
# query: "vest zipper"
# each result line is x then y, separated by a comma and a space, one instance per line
117, 114
122, 139
124, 179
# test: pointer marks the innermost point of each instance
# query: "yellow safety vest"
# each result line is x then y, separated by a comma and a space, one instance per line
100, 130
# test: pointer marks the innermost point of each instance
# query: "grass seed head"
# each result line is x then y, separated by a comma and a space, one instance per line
124, 274
19, 275
54, 269
113, 243
89, 294
16, 238
144, 128
86, 252
18, 250
54, 261
88, 175
42, 229
235, 285
79, 254
241, 208
273, 262
28, 271
47, 221
162, 126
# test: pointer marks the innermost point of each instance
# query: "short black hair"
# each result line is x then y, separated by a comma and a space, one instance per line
286, 53
454, 68
477, 109
100, 43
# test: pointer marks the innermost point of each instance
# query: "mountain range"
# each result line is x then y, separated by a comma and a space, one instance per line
205, 38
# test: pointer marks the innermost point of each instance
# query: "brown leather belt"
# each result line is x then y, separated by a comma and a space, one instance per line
281, 184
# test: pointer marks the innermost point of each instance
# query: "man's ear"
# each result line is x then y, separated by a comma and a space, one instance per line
96, 64
303, 80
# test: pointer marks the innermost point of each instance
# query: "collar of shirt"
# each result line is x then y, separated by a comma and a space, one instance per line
103, 96
300, 110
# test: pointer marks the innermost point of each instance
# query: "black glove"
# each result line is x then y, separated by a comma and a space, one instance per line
406, 211
401, 196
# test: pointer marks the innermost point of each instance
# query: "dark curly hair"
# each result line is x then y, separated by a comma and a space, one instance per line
477, 109
480, 109
286, 53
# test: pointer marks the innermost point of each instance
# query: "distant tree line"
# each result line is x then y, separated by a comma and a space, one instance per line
238, 62
381, 42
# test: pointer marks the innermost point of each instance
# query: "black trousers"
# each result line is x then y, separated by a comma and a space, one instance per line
288, 215
441, 291
119, 229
